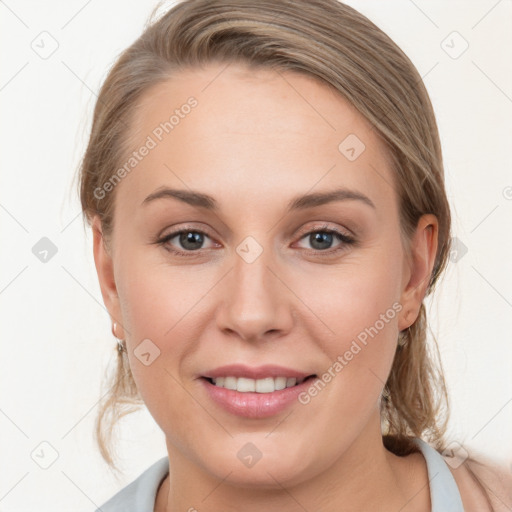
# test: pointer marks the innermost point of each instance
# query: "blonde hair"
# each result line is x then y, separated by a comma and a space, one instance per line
339, 46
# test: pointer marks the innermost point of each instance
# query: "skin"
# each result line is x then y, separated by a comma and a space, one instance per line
255, 140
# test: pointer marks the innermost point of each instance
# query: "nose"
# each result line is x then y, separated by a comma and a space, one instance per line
255, 304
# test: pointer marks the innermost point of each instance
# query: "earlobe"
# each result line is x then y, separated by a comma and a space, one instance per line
420, 264
105, 270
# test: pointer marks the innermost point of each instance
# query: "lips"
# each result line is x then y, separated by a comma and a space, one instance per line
255, 392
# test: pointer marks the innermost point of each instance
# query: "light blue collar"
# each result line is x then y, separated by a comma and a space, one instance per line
444, 493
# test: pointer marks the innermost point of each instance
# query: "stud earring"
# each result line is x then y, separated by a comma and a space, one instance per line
120, 343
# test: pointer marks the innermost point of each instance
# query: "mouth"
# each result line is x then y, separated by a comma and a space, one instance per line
255, 392
263, 385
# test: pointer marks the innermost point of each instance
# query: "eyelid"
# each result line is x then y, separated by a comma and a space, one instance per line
345, 240
326, 227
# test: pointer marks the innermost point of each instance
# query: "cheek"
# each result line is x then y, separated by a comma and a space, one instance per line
157, 305
163, 309
156, 297
356, 296
359, 305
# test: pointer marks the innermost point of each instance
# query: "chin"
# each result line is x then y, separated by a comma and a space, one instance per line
260, 464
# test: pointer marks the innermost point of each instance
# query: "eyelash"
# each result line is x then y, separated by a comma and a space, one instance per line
342, 237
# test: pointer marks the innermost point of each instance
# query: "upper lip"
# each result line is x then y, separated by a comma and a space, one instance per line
255, 372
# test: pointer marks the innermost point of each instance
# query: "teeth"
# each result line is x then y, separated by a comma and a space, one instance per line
229, 382
245, 385
266, 385
280, 383
291, 381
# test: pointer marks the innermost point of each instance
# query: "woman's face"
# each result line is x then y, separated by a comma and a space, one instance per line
292, 268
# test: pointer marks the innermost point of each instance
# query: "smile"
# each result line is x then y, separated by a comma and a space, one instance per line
265, 385
255, 392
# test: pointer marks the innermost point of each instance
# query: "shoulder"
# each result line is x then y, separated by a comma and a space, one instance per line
140, 494
484, 484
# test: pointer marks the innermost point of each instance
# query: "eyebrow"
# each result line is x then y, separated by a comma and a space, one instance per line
303, 202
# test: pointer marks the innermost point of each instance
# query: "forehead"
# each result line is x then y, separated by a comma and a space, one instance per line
253, 135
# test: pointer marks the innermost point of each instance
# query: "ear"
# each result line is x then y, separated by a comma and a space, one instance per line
105, 270
418, 268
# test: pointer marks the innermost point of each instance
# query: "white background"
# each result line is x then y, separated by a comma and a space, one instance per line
56, 341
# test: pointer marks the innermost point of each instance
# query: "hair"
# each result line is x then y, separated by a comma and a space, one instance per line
340, 47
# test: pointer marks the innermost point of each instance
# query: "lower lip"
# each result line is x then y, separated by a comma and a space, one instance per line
255, 405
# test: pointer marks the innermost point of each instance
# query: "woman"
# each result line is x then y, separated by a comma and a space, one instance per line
264, 183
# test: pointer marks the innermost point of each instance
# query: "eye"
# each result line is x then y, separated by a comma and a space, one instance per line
322, 238
189, 240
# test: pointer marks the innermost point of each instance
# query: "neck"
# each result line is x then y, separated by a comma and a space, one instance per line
365, 477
